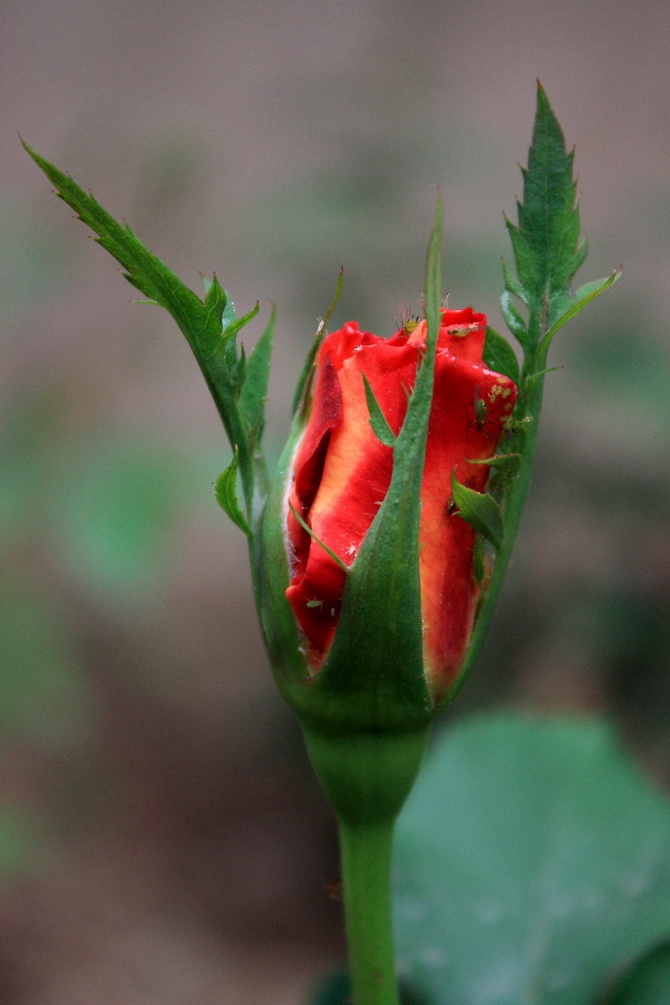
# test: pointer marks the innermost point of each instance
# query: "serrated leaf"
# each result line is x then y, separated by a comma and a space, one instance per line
210, 326
255, 387
512, 285
513, 318
146, 272
499, 355
480, 510
546, 241
380, 426
532, 863
225, 491
584, 295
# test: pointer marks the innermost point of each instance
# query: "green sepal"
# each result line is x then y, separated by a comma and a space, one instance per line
546, 242
328, 551
499, 355
231, 329
225, 490
209, 325
373, 677
380, 426
304, 380
480, 510
272, 576
254, 390
513, 318
479, 559
509, 463
583, 296
512, 284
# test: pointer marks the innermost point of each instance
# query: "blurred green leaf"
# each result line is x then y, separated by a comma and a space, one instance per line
201, 322
21, 842
647, 982
532, 861
43, 696
336, 990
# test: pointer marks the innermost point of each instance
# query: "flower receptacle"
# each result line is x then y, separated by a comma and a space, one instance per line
366, 775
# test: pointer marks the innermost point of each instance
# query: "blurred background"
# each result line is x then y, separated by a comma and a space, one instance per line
161, 839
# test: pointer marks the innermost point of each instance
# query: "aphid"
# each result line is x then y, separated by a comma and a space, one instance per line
315, 603
408, 321
480, 408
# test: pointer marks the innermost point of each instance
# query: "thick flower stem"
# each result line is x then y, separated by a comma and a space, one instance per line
367, 776
366, 872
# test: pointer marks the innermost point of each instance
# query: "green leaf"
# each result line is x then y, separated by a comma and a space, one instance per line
143, 270
480, 510
532, 862
255, 386
513, 285
646, 982
23, 843
584, 295
499, 355
336, 990
513, 318
380, 426
225, 491
210, 326
546, 242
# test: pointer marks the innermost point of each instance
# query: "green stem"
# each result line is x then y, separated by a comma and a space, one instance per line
367, 776
366, 880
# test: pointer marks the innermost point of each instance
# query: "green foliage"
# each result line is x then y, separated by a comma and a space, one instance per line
480, 510
336, 990
532, 862
380, 426
646, 982
547, 252
546, 242
499, 355
377, 652
43, 696
225, 491
209, 325
21, 843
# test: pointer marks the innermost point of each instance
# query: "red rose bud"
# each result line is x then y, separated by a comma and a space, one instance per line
340, 473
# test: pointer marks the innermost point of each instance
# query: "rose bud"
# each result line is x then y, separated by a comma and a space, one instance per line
350, 618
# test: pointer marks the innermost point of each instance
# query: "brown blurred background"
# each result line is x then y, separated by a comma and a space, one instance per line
161, 839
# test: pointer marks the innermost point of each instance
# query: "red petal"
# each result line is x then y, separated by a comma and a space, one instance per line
342, 473
348, 467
